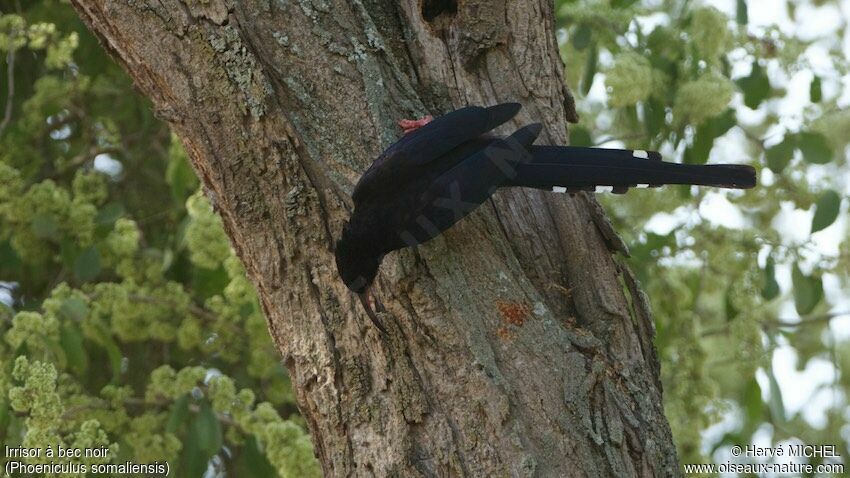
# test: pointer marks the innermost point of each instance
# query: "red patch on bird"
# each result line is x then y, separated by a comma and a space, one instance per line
410, 126
513, 313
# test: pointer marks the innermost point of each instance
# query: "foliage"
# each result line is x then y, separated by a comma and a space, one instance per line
724, 270
129, 321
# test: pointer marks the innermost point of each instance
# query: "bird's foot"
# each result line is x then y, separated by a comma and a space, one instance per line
412, 125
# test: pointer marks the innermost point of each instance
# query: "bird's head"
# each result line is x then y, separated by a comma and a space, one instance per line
356, 262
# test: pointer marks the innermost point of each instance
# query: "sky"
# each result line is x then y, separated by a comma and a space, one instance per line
801, 391
807, 392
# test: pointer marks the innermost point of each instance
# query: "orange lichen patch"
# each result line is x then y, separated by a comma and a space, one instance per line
513, 313
504, 333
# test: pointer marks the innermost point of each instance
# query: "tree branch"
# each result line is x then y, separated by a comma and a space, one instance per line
788, 322
10, 90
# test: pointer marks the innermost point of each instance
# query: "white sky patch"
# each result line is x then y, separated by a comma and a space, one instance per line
597, 93
105, 164
819, 60
789, 220
716, 209
827, 241
745, 115
763, 437
647, 23
604, 121
606, 59
663, 223
61, 133
840, 326
211, 374
800, 389
729, 148
729, 422
790, 106
6, 289
740, 62
816, 22
766, 177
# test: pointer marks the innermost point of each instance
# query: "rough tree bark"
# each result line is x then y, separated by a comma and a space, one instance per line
518, 345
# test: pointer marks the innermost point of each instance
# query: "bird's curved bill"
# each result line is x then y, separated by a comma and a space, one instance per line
370, 304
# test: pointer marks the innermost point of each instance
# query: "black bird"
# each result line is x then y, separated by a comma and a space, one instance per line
441, 170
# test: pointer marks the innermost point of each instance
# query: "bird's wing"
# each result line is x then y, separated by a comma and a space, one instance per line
429, 142
569, 169
460, 190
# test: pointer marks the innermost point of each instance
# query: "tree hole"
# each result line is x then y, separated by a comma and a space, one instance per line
431, 9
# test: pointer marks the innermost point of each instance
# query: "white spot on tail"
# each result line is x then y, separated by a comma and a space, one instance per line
604, 189
639, 153
642, 186
558, 189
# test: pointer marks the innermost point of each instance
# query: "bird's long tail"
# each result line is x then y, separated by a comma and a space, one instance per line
571, 169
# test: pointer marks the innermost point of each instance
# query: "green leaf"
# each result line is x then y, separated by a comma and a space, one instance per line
581, 36
5, 416
815, 92
45, 226
707, 132
777, 407
808, 291
699, 151
622, 3
589, 70
723, 122
179, 412
729, 305
193, 460
74, 309
109, 213
71, 340
253, 462
87, 265
756, 87
654, 115
815, 148
208, 429
116, 358
8, 257
752, 401
778, 156
209, 282
770, 288
826, 210
68, 251
181, 177
580, 137
203, 440
741, 12
655, 243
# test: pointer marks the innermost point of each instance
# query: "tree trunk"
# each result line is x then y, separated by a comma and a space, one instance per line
517, 346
